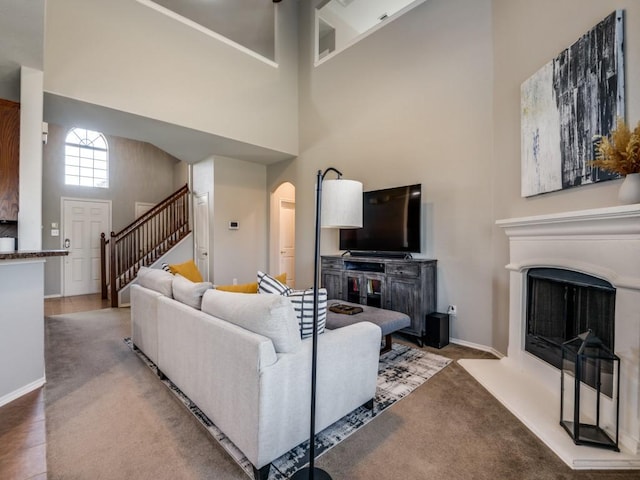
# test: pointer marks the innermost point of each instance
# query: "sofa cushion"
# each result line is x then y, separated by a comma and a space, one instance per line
157, 280
269, 284
272, 316
187, 269
188, 292
303, 305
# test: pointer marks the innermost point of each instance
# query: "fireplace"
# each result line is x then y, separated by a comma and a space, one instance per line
569, 272
562, 304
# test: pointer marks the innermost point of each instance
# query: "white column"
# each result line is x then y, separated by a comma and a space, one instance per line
30, 204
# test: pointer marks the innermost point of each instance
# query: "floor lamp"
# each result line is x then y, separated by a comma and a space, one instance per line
341, 205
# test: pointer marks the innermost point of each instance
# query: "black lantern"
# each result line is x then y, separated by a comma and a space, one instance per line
594, 395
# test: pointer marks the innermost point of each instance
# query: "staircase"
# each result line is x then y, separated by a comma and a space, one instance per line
142, 242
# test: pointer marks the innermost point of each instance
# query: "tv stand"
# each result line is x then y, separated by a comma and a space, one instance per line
401, 284
361, 253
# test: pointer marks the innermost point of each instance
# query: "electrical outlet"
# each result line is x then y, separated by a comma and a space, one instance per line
452, 310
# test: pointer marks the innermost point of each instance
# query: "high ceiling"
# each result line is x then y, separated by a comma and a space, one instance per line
22, 43
250, 23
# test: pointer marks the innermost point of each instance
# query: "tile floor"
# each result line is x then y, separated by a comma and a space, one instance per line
23, 449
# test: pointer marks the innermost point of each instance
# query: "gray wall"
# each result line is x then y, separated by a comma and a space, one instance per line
434, 97
410, 103
138, 172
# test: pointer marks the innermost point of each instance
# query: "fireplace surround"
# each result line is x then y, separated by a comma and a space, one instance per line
602, 245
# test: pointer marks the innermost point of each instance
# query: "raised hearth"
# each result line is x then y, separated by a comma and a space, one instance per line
602, 243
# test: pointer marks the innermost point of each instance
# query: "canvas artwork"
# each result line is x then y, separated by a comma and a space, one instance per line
566, 105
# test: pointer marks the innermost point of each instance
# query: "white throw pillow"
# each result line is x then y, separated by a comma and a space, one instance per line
269, 315
188, 292
303, 305
155, 279
269, 284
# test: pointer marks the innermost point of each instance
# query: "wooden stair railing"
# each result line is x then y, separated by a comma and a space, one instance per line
143, 241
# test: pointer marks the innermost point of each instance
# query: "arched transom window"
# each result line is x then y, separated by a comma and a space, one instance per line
86, 159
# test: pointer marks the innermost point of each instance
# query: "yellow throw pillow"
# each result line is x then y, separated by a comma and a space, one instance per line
251, 287
242, 288
188, 270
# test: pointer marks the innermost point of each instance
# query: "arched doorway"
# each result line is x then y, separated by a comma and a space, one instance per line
283, 232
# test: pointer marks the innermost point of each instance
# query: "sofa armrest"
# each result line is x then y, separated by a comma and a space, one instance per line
347, 372
144, 320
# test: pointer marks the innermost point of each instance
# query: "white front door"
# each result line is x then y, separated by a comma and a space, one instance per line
288, 240
82, 223
201, 225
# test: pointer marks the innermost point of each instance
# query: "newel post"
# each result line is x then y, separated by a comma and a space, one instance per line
112, 271
103, 265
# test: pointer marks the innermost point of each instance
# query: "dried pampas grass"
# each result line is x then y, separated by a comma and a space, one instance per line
619, 152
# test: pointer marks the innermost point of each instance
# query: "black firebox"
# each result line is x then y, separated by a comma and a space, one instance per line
561, 304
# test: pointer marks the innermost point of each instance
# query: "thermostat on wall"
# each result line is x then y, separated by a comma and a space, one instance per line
233, 225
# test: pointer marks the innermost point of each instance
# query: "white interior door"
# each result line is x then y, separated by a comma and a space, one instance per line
201, 226
143, 207
82, 223
288, 241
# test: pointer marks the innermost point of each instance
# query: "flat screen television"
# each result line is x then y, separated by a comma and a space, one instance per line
391, 222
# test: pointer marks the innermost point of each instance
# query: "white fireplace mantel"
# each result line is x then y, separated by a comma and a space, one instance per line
601, 242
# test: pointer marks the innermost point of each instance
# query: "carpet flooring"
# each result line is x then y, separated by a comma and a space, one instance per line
401, 371
108, 417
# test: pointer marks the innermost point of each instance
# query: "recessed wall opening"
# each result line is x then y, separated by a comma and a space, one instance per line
561, 304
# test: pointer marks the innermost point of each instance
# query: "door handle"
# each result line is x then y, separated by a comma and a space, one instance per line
204, 254
67, 243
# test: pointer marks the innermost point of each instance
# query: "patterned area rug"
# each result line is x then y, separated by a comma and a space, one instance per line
401, 371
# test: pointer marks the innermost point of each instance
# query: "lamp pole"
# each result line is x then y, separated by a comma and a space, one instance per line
311, 472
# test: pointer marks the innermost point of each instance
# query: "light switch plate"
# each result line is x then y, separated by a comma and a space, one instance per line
55, 232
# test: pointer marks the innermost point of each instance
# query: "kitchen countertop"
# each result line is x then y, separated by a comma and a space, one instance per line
24, 254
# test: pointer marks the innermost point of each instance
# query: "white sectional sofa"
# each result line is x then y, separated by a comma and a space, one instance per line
241, 360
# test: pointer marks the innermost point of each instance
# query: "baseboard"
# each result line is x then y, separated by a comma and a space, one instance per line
55, 295
10, 397
476, 346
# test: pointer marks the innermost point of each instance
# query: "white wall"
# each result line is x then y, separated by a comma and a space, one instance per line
128, 57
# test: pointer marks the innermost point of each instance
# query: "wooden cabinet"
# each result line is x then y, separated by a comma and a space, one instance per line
9, 159
402, 285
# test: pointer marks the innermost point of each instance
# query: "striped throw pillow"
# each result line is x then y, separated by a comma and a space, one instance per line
302, 301
269, 284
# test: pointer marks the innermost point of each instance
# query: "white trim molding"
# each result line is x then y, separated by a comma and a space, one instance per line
10, 397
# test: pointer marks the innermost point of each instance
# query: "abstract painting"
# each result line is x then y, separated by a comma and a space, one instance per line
567, 105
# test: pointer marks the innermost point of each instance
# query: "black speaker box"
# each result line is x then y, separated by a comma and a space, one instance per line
437, 330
